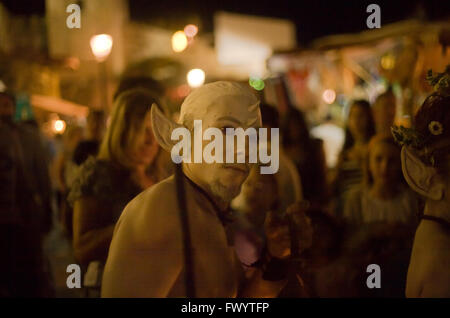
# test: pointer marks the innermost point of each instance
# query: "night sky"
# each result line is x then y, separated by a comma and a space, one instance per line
314, 18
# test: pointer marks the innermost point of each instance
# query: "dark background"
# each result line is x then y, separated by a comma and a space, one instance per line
313, 18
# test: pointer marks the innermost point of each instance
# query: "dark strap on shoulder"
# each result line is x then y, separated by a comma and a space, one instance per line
224, 216
187, 243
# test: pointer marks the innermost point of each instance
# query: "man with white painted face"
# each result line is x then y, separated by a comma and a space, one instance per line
146, 254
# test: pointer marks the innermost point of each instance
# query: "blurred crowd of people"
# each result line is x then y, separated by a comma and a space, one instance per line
361, 212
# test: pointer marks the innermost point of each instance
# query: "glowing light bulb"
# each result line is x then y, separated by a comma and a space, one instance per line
179, 41
329, 96
101, 45
196, 77
59, 126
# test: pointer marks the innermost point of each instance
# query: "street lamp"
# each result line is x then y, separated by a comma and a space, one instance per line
101, 45
59, 126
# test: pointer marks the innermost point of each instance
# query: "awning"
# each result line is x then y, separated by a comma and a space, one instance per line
58, 105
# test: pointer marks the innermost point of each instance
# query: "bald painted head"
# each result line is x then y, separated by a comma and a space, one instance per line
220, 99
220, 105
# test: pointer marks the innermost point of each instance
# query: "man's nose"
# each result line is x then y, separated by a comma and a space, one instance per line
241, 150
242, 153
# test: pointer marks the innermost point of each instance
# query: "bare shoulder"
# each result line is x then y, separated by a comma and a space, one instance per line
144, 258
430, 249
154, 199
153, 214
432, 238
428, 274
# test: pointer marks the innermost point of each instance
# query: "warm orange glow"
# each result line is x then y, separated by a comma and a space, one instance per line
388, 62
179, 41
59, 126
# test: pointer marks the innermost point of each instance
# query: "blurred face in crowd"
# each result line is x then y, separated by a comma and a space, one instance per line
384, 163
6, 106
384, 113
260, 193
358, 122
142, 147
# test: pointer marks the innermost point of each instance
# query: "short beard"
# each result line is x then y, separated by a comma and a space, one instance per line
224, 193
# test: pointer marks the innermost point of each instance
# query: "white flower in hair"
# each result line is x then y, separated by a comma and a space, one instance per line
435, 128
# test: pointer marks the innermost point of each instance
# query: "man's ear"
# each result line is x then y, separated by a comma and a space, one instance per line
421, 178
162, 128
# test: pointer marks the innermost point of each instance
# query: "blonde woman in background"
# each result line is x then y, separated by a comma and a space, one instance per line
124, 167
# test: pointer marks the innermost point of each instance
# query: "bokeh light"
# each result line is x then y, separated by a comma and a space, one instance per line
388, 62
179, 41
329, 96
256, 83
59, 126
196, 77
101, 45
190, 30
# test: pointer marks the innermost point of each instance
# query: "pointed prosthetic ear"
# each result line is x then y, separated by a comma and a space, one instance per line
162, 128
421, 178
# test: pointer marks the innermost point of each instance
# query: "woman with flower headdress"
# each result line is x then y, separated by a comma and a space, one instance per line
426, 166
